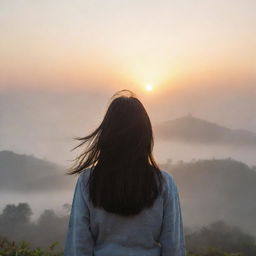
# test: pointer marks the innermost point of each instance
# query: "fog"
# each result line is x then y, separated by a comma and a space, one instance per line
38, 201
43, 123
61, 61
182, 151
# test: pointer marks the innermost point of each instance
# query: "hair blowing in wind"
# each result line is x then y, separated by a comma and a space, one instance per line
124, 178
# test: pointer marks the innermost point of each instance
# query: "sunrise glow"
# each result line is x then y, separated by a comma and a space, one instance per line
149, 87
70, 50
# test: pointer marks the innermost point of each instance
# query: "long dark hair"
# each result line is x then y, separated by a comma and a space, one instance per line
124, 176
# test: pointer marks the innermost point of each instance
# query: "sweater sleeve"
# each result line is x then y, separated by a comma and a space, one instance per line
79, 240
172, 237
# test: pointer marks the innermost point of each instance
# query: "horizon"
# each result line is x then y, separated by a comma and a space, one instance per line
60, 59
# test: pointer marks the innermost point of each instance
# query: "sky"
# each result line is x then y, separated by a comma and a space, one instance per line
108, 45
61, 61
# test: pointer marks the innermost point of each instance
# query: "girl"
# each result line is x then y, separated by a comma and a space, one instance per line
123, 204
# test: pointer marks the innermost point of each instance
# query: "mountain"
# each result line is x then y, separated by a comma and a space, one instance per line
27, 173
210, 190
190, 129
216, 189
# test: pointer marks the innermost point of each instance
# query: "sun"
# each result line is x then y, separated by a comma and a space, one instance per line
149, 87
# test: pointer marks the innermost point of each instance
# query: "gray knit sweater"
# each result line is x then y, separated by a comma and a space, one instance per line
156, 231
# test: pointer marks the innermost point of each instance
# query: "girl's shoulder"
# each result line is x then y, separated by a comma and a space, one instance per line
167, 177
169, 183
84, 177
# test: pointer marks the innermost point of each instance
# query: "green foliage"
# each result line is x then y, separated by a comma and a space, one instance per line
23, 248
16, 225
8, 248
214, 252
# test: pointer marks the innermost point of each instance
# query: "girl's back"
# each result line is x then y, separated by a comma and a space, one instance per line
153, 232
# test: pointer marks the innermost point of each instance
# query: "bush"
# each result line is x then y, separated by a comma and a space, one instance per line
22, 248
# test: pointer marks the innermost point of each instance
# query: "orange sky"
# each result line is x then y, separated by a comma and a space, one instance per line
126, 44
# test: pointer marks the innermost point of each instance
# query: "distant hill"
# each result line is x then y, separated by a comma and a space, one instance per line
210, 190
28, 173
217, 189
190, 129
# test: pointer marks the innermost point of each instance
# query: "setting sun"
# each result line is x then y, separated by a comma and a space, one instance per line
149, 87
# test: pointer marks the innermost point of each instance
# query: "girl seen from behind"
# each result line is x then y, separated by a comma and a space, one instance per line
123, 203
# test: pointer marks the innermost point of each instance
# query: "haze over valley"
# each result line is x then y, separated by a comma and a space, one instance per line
191, 64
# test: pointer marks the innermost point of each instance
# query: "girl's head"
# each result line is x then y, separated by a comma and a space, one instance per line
119, 151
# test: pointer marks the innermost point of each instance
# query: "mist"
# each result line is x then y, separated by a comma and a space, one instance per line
43, 123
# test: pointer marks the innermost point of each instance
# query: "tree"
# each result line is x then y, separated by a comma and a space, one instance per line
14, 215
